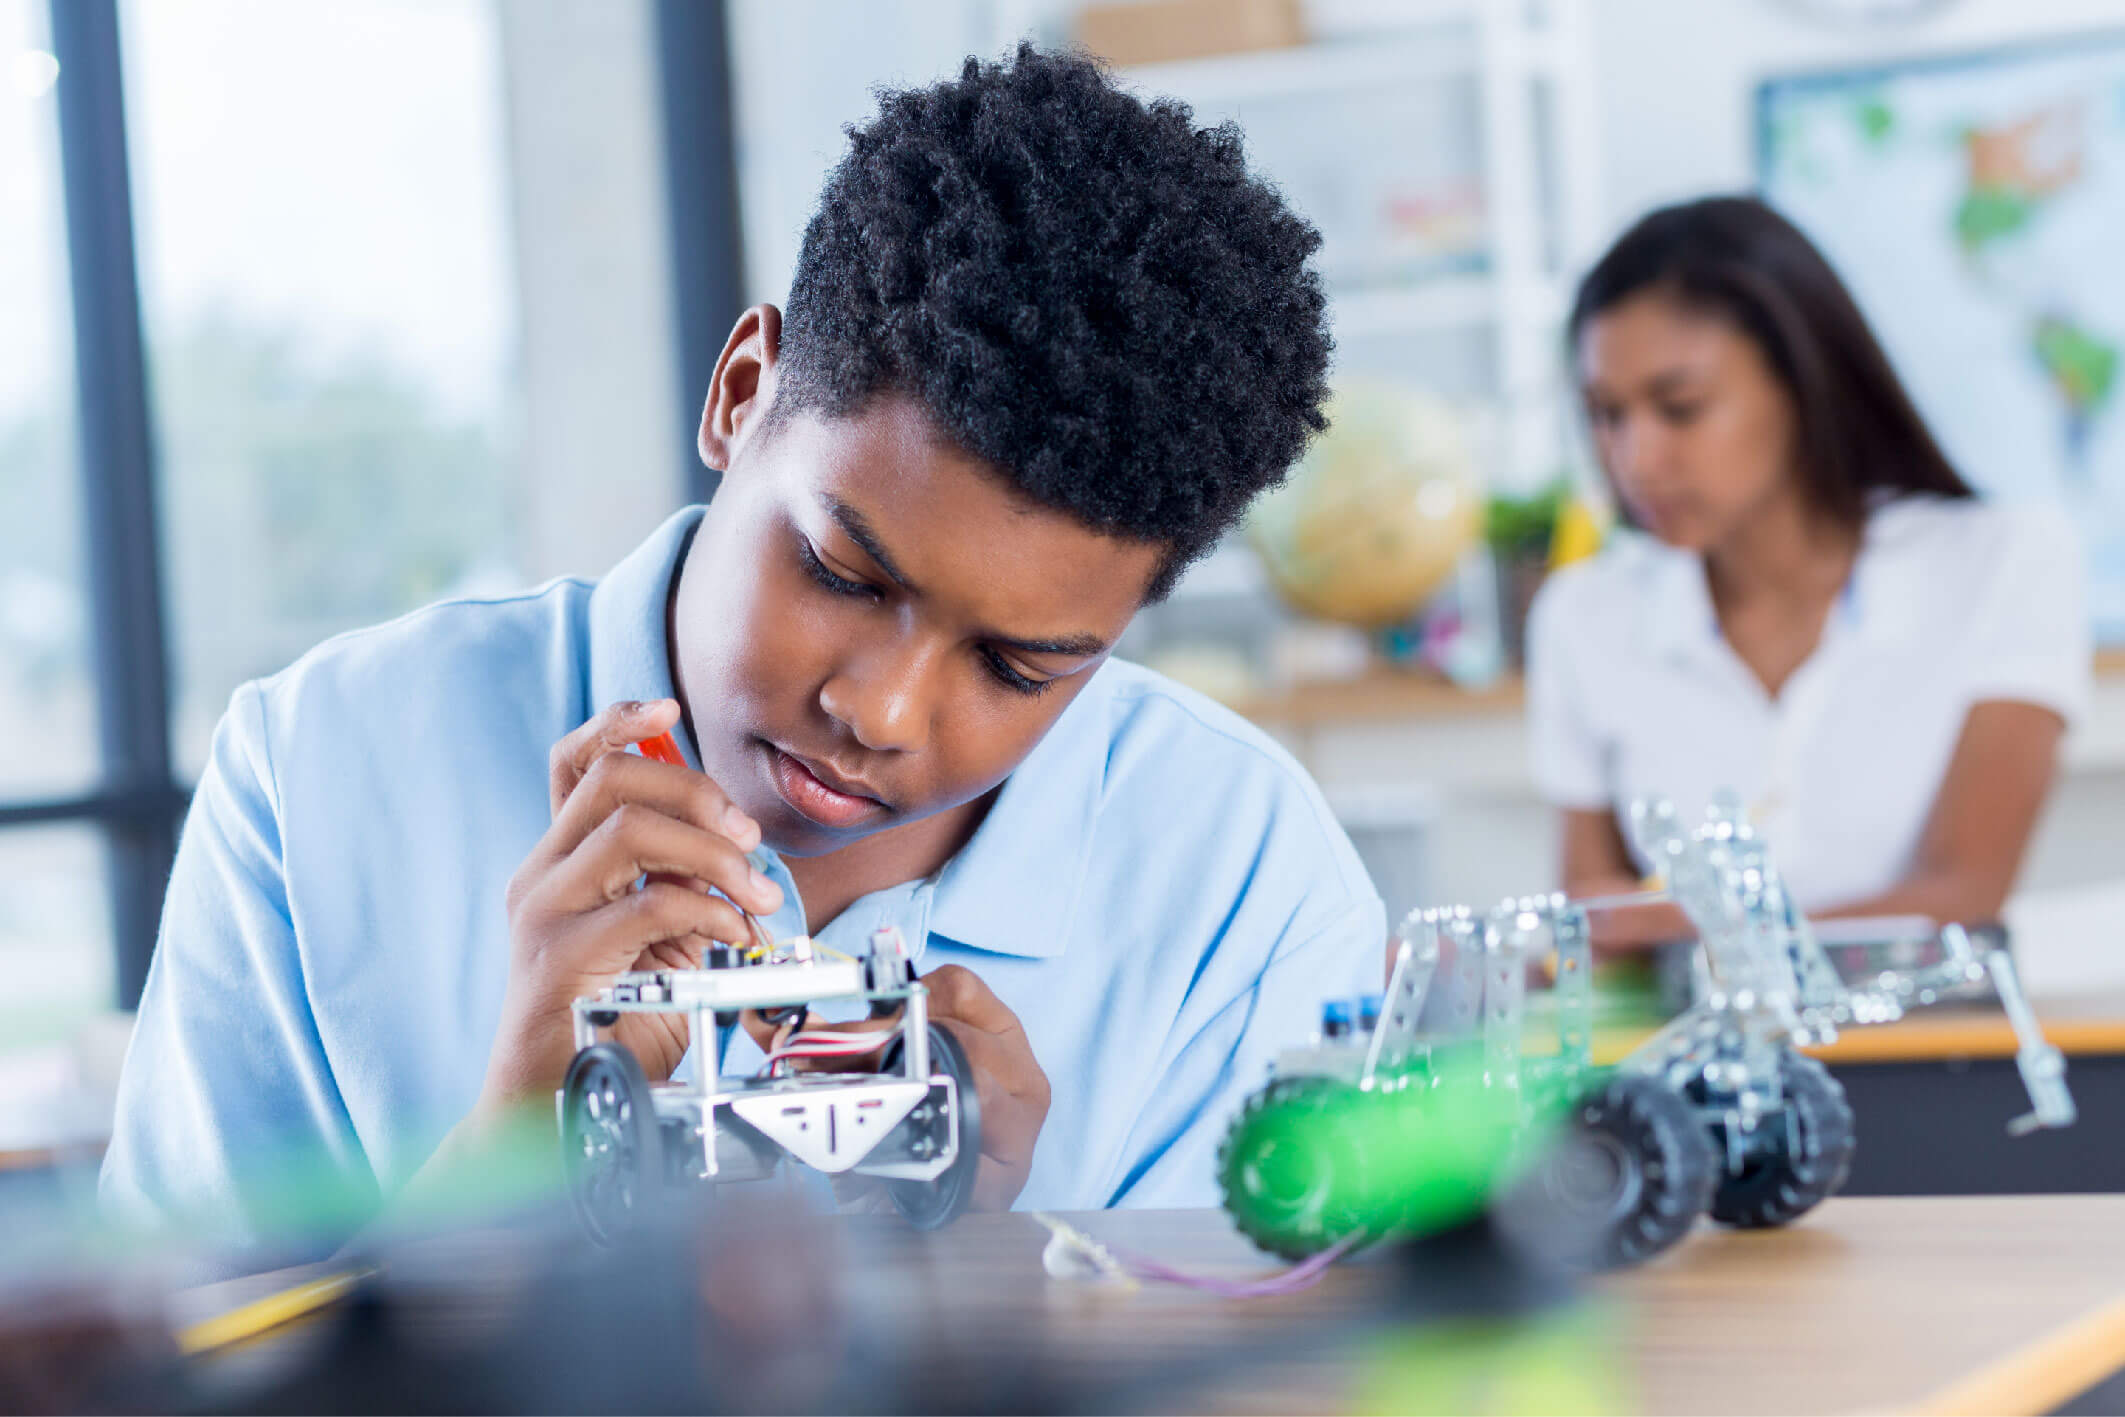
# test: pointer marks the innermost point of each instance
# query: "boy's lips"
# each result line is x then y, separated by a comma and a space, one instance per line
818, 793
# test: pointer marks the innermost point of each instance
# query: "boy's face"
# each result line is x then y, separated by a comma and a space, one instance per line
872, 627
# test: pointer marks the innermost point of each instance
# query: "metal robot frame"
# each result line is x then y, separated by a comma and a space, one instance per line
914, 1123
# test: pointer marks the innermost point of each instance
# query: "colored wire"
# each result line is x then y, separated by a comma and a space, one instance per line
1301, 1276
1122, 1265
825, 1043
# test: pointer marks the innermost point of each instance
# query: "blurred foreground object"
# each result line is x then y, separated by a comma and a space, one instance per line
1377, 515
757, 1304
1392, 1124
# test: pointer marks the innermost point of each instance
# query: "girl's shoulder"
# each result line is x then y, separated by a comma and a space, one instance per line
1964, 532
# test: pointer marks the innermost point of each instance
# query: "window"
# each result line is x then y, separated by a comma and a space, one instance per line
57, 966
47, 684
56, 961
333, 347
328, 303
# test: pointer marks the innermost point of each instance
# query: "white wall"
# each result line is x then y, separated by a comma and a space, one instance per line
805, 70
1677, 78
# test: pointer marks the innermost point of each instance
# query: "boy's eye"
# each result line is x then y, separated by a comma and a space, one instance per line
839, 585
1010, 678
1681, 413
998, 666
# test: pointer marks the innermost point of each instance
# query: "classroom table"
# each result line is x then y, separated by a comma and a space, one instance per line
1923, 1304
1932, 1094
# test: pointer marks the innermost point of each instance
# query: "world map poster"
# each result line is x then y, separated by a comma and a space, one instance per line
1976, 207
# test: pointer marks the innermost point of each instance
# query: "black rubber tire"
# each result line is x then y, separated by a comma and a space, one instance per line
932, 1204
1811, 1157
1294, 1217
1632, 1170
612, 1150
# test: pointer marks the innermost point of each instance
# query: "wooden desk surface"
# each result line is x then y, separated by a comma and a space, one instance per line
1870, 1304
1939, 1304
2089, 1025
1998, 1304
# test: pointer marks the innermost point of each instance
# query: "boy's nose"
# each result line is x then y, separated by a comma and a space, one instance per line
884, 697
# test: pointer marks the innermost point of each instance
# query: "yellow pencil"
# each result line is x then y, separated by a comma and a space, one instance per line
249, 1320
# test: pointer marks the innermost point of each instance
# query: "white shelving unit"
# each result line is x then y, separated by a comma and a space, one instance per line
1489, 336
1527, 66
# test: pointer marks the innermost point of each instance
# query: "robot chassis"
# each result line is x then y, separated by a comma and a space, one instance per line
1717, 1112
629, 1147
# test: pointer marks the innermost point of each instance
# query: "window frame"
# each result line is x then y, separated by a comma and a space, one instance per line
139, 802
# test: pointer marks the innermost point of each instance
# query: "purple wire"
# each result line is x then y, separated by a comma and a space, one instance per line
1303, 1275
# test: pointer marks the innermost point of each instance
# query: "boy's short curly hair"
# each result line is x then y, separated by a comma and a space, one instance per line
1087, 291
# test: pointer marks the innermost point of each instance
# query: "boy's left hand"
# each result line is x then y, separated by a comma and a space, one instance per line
1013, 1090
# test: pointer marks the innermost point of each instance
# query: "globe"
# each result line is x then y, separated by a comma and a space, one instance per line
1378, 513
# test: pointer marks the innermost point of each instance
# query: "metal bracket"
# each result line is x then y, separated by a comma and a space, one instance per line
2041, 1064
1505, 938
831, 1128
1416, 957
1572, 937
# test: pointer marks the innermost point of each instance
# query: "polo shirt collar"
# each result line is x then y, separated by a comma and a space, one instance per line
1014, 888
629, 656
1880, 604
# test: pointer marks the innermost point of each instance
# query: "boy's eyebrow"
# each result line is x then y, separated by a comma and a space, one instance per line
858, 529
1072, 646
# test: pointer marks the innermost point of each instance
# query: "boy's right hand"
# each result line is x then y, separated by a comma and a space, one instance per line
578, 917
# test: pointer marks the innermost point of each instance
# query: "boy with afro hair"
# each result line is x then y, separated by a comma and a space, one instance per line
1044, 344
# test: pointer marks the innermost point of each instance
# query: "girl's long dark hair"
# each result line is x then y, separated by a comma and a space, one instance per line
1859, 435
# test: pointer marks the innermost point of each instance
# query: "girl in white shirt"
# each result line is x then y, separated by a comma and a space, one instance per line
1809, 608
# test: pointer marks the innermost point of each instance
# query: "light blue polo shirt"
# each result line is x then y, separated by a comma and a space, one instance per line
1159, 893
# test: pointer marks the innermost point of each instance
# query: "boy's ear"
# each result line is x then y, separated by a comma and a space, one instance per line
745, 382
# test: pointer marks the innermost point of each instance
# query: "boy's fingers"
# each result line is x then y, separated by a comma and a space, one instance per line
636, 840
617, 779
655, 919
760, 1030
1014, 1089
611, 730
684, 953
1014, 1096
957, 992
